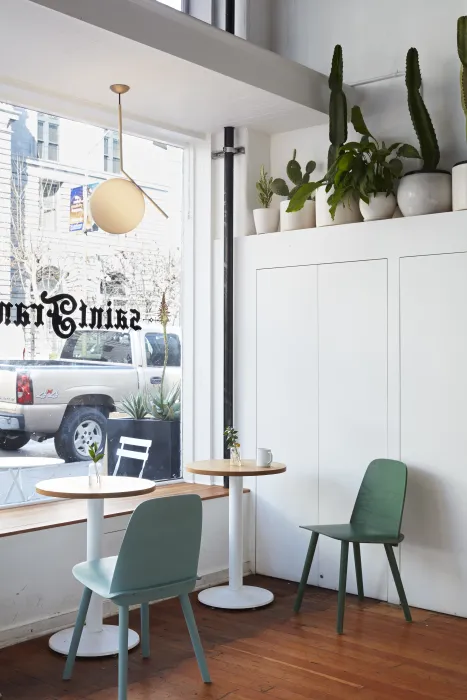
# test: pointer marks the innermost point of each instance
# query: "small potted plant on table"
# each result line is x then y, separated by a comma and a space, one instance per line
231, 440
267, 218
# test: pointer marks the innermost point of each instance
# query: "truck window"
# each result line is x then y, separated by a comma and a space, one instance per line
154, 343
98, 346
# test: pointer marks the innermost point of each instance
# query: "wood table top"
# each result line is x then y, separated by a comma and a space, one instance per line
222, 467
109, 487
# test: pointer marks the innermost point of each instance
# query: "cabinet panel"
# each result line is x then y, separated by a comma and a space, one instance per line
352, 404
287, 420
434, 430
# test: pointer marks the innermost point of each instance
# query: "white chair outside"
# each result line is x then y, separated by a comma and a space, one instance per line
142, 455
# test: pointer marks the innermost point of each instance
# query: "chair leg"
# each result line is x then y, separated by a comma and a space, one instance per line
342, 586
122, 652
194, 636
398, 581
77, 632
306, 571
145, 630
358, 569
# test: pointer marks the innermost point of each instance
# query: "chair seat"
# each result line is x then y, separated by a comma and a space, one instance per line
96, 575
349, 532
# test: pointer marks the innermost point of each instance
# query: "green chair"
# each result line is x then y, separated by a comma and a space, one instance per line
376, 518
158, 559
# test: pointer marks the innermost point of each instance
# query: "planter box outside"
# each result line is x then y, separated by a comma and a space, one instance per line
164, 454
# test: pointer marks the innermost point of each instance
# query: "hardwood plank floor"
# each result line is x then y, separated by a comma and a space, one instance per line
266, 654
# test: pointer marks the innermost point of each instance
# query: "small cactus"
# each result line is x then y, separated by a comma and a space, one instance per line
337, 106
462, 51
421, 120
296, 177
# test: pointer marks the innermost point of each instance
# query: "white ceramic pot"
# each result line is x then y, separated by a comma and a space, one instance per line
459, 186
425, 193
380, 206
292, 221
348, 214
266, 220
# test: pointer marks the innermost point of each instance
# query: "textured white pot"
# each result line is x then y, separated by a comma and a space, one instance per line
425, 193
266, 220
348, 214
459, 186
381, 206
292, 221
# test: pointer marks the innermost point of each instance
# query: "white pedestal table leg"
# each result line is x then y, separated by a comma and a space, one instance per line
235, 596
97, 639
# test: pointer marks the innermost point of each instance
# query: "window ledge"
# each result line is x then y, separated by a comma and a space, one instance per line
43, 516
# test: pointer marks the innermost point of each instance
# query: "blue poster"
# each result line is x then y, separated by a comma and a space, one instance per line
76, 209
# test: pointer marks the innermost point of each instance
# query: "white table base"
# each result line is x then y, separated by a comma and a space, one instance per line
97, 639
92, 644
235, 596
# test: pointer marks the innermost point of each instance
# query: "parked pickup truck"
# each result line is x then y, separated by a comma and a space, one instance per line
69, 399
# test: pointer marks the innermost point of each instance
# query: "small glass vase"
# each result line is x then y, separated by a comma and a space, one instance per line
235, 459
94, 474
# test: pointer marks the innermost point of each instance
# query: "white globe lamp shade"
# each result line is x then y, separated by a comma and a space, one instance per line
117, 206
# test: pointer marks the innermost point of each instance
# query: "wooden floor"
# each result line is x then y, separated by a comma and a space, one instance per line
267, 654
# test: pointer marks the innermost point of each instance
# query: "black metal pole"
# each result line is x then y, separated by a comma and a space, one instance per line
229, 133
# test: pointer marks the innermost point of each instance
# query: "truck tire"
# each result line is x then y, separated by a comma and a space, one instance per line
13, 441
81, 427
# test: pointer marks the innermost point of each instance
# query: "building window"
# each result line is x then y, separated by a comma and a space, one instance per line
112, 153
47, 137
48, 219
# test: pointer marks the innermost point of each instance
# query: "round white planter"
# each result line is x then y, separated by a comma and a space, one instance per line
425, 193
380, 206
292, 221
266, 220
459, 186
348, 214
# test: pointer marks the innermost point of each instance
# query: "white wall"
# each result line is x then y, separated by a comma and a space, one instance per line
39, 594
375, 39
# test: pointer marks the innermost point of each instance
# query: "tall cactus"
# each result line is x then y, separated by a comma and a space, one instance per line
421, 120
337, 106
462, 51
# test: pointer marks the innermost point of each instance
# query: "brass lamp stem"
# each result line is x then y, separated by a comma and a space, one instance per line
120, 90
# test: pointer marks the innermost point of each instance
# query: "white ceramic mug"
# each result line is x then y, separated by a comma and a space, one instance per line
263, 457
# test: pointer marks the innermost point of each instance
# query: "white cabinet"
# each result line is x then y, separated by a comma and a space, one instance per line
287, 417
352, 404
433, 297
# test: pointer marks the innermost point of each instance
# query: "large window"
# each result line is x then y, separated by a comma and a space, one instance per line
80, 336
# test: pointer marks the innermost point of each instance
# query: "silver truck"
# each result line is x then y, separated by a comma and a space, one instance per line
69, 399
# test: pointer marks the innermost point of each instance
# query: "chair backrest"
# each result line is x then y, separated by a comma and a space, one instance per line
161, 544
380, 501
122, 451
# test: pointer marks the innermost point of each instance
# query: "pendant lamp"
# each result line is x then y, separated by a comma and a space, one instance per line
117, 205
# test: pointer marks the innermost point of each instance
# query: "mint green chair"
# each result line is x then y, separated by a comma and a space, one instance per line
376, 518
158, 559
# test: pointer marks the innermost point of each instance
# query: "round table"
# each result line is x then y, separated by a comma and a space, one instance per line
235, 596
15, 465
97, 639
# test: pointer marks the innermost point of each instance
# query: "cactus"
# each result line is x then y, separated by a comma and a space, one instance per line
337, 106
462, 51
421, 120
295, 175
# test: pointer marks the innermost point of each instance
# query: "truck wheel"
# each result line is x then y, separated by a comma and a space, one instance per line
13, 441
81, 427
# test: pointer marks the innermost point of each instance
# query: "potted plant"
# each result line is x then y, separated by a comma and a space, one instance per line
346, 210
266, 219
231, 440
305, 218
96, 455
425, 191
149, 416
378, 168
459, 171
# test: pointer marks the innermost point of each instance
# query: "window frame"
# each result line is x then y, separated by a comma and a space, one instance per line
44, 144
